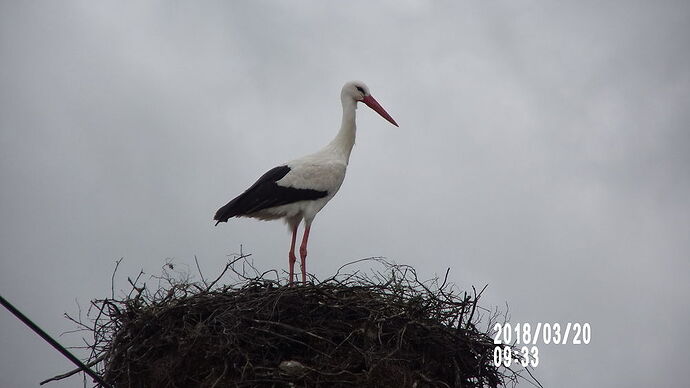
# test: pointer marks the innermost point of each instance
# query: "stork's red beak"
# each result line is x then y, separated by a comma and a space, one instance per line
373, 104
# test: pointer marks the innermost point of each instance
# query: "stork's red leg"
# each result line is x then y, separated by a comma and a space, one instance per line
303, 253
292, 257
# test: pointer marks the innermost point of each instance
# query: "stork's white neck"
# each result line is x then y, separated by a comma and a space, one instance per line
345, 139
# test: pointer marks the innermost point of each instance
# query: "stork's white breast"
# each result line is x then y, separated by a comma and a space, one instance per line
315, 174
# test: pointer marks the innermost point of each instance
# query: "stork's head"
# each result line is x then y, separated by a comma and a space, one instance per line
359, 92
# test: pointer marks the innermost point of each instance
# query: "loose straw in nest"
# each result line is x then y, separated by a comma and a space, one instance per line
382, 329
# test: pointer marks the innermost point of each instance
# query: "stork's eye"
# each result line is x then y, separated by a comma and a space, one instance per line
361, 89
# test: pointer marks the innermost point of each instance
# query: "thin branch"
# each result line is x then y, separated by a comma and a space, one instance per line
200, 273
73, 371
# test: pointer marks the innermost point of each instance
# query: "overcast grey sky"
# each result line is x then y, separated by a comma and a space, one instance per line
542, 149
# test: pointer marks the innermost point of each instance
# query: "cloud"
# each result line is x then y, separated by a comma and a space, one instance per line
541, 149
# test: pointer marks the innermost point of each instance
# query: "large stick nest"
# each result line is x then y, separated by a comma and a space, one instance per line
383, 328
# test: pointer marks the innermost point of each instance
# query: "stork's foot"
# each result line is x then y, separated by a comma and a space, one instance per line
303, 263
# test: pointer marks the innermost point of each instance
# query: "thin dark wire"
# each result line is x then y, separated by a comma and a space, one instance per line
54, 343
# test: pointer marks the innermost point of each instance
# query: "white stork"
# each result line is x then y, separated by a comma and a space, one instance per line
298, 190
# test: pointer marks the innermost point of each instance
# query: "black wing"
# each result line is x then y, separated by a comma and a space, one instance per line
265, 193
